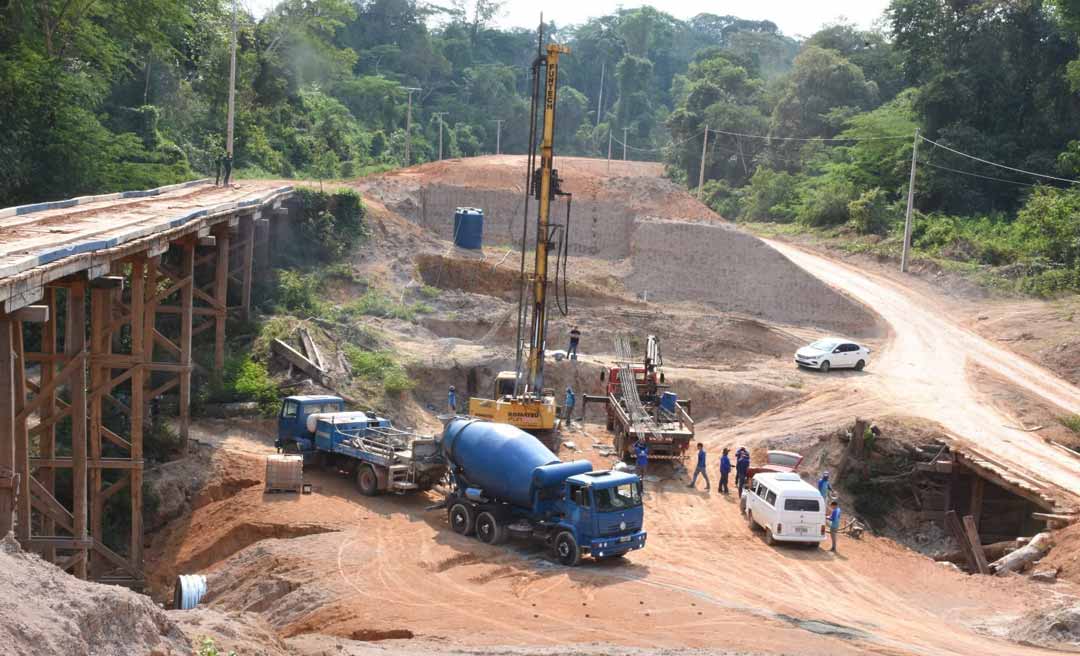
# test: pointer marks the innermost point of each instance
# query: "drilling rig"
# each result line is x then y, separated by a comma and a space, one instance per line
519, 397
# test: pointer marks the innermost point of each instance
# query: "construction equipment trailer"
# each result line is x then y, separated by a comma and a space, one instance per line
639, 407
505, 483
361, 444
519, 397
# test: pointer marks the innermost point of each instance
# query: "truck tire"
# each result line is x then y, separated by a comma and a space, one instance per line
367, 481
462, 518
489, 530
566, 549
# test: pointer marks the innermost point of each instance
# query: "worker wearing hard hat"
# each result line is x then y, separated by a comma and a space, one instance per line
824, 486
451, 400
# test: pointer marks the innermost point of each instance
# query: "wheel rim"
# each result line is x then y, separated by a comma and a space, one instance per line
367, 480
457, 516
564, 548
483, 527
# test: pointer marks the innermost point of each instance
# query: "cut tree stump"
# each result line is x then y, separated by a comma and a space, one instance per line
1024, 556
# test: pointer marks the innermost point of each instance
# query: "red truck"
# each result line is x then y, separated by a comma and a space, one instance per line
674, 428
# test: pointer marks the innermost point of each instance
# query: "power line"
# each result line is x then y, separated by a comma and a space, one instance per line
976, 175
771, 138
1000, 166
655, 150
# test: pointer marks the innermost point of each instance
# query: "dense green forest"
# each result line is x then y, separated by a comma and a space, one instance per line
98, 95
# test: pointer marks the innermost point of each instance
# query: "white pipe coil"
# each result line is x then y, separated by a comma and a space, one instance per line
190, 588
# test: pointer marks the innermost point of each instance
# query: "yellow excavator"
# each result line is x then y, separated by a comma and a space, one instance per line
519, 397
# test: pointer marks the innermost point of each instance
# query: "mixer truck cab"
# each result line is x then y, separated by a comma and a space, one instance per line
506, 483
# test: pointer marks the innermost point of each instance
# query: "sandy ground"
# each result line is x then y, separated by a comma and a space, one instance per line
386, 569
925, 371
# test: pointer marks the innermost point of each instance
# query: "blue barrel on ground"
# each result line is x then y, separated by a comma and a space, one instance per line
668, 401
469, 228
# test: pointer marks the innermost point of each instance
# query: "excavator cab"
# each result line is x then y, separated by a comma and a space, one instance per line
504, 384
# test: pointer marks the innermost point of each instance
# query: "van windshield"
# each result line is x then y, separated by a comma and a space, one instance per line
802, 505
618, 498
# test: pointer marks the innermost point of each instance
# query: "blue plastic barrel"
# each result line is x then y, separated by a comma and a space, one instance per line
668, 401
469, 228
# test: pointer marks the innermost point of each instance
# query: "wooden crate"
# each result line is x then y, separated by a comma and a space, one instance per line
284, 473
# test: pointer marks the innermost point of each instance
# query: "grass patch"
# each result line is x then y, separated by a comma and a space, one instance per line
378, 304
1072, 422
429, 292
379, 367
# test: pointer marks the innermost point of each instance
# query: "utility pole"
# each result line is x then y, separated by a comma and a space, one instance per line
408, 126
609, 150
624, 131
232, 100
910, 203
600, 100
440, 115
701, 172
498, 135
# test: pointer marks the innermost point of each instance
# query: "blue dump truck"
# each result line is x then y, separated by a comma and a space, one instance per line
360, 444
506, 483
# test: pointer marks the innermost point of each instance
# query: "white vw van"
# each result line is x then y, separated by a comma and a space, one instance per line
787, 507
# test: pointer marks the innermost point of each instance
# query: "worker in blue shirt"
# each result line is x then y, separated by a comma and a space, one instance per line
641, 451
568, 405
725, 470
834, 523
700, 469
451, 399
824, 486
742, 468
575, 338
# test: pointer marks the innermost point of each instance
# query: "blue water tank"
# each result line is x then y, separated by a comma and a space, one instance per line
668, 401
469, 228
506, 462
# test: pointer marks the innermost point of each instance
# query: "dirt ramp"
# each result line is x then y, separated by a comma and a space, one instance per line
718, 264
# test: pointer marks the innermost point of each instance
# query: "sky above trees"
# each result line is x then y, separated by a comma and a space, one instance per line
794, 17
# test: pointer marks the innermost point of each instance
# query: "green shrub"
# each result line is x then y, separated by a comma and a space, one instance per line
207, 648
824, 200
379, 367
429, 292
253, 383
723, 199
397, 381
275, 328
1072, 422
870, 212
330, 226
375, 303
770, 196
298, 292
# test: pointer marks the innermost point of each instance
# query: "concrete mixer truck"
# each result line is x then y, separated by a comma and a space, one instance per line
506, 483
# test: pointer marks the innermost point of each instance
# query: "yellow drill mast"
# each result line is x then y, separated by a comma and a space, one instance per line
520, 398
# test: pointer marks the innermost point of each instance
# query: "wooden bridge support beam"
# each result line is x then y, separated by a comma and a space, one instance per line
247, 262
221, 295
9, 477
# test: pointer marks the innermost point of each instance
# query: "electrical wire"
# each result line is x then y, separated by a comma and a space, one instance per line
1000, 166
771, 138
976, 175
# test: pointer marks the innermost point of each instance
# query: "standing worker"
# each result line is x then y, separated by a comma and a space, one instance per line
641, 450
742, 466
700, 469
575, 337
228, 169
569, 405
451, 399
824, 486
834, 523
725, 470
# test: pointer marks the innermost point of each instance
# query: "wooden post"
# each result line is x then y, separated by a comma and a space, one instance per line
247, 236
221, 296
187, 295
22, 445
972, 534
47, 437
978, 486
74, 346
142, 344
8, 479
956, 529
100, 347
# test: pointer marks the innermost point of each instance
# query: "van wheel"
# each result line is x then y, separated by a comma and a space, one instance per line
461, 518
859, 365
750, 520
489, 530
769, 539
566, 549
825, 367
367, 481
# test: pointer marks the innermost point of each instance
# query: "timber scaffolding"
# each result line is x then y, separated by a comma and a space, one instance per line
100, 299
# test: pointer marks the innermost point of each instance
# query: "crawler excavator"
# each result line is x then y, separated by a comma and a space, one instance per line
519, 397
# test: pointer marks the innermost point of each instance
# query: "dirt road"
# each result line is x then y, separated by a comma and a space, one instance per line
924, 371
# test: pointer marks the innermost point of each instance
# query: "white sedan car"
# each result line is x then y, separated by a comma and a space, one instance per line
833, 353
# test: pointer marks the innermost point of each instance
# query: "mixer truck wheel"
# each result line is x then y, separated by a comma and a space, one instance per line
566, 549
367, 481
461, 518
489, 530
